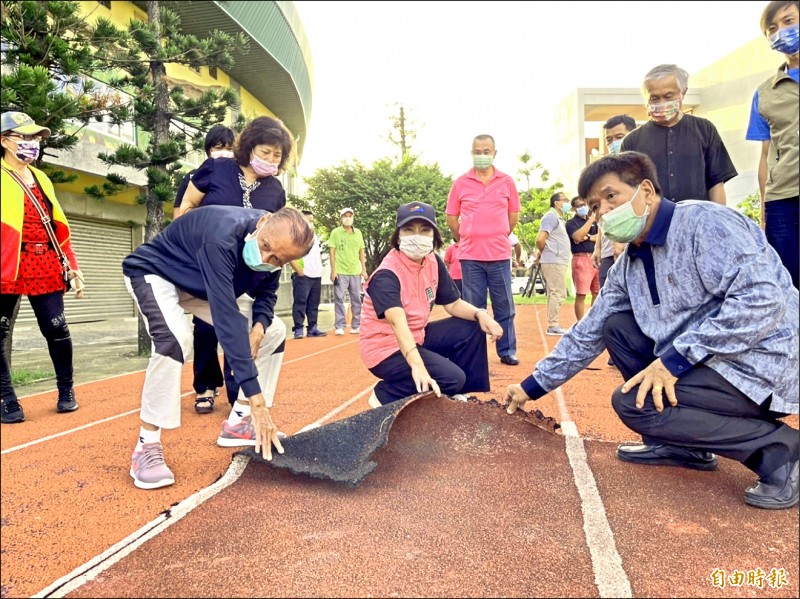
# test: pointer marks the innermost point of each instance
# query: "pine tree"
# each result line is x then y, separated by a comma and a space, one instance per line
49, 48
174, 122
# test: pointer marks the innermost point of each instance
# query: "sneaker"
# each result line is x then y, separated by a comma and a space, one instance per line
340, 331
66, 401
355, 331
555, 331
373, 401
12, 412
298, 333
315, 332
148, 468
240, 435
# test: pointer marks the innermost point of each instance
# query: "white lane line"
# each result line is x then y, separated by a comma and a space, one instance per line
76, 429
91, 569
97, 565
335, 411
609, 574
96, 422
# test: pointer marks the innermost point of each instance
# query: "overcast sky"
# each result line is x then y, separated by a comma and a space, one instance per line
464, 68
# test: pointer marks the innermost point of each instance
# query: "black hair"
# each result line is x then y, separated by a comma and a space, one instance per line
219, 135
438, 242
267, 131
575, 200
772, 9
631, 167
621, 119
556, 197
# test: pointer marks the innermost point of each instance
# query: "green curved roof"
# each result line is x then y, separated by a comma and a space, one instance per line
278, 70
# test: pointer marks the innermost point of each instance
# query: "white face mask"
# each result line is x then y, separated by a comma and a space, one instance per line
221, 154
416, 247
347, 221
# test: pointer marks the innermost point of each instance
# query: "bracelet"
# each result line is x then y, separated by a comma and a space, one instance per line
478, 311
405, 355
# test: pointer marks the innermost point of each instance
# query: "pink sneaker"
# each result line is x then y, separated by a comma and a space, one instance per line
148, 468
237, 435
240, 435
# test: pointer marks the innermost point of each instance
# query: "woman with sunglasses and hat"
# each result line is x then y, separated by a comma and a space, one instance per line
37, 258
399, 343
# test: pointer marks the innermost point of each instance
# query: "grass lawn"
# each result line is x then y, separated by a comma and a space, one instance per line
23, 376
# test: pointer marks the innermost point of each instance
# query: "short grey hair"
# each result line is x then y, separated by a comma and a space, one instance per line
667, 70
300, 233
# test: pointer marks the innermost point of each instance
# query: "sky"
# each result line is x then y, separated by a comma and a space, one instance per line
465, 68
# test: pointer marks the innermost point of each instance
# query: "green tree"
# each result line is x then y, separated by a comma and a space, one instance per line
403, 131
47, 48
751, 207
172, 121
51, 48
534, 199
375, 193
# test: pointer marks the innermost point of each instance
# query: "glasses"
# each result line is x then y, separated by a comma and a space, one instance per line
23, 137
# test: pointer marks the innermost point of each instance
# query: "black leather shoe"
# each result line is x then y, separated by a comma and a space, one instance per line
777, 490
667, 455
510, 360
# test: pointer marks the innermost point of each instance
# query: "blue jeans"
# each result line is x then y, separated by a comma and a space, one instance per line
494, 277
782, 224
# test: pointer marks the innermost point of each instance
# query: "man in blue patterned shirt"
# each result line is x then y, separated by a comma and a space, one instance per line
700, 310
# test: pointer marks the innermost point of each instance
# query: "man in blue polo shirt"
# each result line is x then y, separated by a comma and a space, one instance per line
698, 309
214, 263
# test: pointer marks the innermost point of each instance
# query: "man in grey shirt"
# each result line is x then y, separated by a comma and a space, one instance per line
700, 310
555, 254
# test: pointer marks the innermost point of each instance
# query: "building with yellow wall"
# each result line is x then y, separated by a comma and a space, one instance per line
274, 78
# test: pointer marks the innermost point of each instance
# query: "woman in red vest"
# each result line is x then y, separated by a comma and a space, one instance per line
37, 257
399, 344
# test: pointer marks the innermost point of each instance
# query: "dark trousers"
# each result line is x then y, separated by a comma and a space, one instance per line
49, 311
711, 414
207, 373
782, 229
477, 278
305, 295
605, 264
460, 285
454, 353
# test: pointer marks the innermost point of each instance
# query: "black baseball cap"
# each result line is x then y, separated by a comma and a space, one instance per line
415, 210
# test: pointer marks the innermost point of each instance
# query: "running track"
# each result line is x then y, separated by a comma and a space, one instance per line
465, 501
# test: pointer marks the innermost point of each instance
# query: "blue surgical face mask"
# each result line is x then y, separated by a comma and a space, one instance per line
583, 211
786, 40
566, 207
615, 146
252, 254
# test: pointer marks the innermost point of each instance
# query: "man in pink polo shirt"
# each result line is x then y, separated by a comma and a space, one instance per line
482, 210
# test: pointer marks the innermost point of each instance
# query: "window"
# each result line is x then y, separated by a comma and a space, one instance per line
124, 133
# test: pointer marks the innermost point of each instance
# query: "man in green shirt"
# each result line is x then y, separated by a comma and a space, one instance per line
348, 270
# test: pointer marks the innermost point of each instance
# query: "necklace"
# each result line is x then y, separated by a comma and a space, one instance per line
247, 189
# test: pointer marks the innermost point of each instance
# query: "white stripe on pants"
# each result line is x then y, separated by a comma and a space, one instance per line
161, 395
